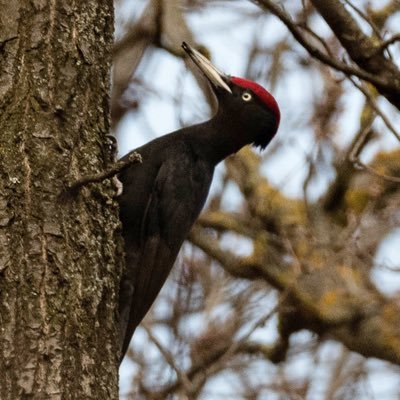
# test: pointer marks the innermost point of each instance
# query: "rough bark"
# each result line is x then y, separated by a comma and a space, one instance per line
59, 255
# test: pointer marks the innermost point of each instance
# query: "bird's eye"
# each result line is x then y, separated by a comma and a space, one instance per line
246, 96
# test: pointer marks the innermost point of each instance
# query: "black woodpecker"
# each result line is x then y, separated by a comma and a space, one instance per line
163, 196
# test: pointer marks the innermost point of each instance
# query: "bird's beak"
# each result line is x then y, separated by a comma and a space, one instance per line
217, 78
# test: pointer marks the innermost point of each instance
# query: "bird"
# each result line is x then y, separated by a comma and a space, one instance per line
163, 196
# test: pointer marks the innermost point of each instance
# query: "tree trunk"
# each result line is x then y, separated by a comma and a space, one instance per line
60, 256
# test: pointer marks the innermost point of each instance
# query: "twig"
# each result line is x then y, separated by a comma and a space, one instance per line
360, 142
354, 158
118, 167
223, 355
357, 162
317, 37
337, 190
181, 375
375, 107
365, 17
257, 324
388, 42
236, 346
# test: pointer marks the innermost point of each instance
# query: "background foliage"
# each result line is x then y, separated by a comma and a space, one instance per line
288, 287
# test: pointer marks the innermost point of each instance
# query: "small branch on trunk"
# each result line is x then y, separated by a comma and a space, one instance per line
117, 168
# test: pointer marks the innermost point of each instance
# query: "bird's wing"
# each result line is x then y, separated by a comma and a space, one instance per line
175, 201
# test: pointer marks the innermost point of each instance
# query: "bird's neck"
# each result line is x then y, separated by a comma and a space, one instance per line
221, 136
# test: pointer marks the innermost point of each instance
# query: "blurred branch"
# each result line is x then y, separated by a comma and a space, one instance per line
336, 378
322, 264
335, 195
318, 38
381, 15
162, 25
223, 221
329, 295
363, 50
181, 375
136, 33
220, 356
386, 79
353, 157
376, 108
388, 42
372, 171
366, 18
240, 268
128, 53
314, 51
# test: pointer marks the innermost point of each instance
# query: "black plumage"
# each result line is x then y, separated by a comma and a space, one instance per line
164, 195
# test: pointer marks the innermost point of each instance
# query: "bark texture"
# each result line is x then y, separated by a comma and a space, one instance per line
59, 255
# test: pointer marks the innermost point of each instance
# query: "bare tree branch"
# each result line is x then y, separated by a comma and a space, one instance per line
387, 81
364, 51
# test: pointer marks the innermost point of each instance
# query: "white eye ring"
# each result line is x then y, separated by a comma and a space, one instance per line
246, 96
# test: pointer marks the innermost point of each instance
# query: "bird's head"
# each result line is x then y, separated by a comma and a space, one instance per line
242, 99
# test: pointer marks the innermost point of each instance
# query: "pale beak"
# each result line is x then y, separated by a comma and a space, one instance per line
216, 78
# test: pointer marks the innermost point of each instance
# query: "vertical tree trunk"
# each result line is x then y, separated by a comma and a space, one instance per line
60, 258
